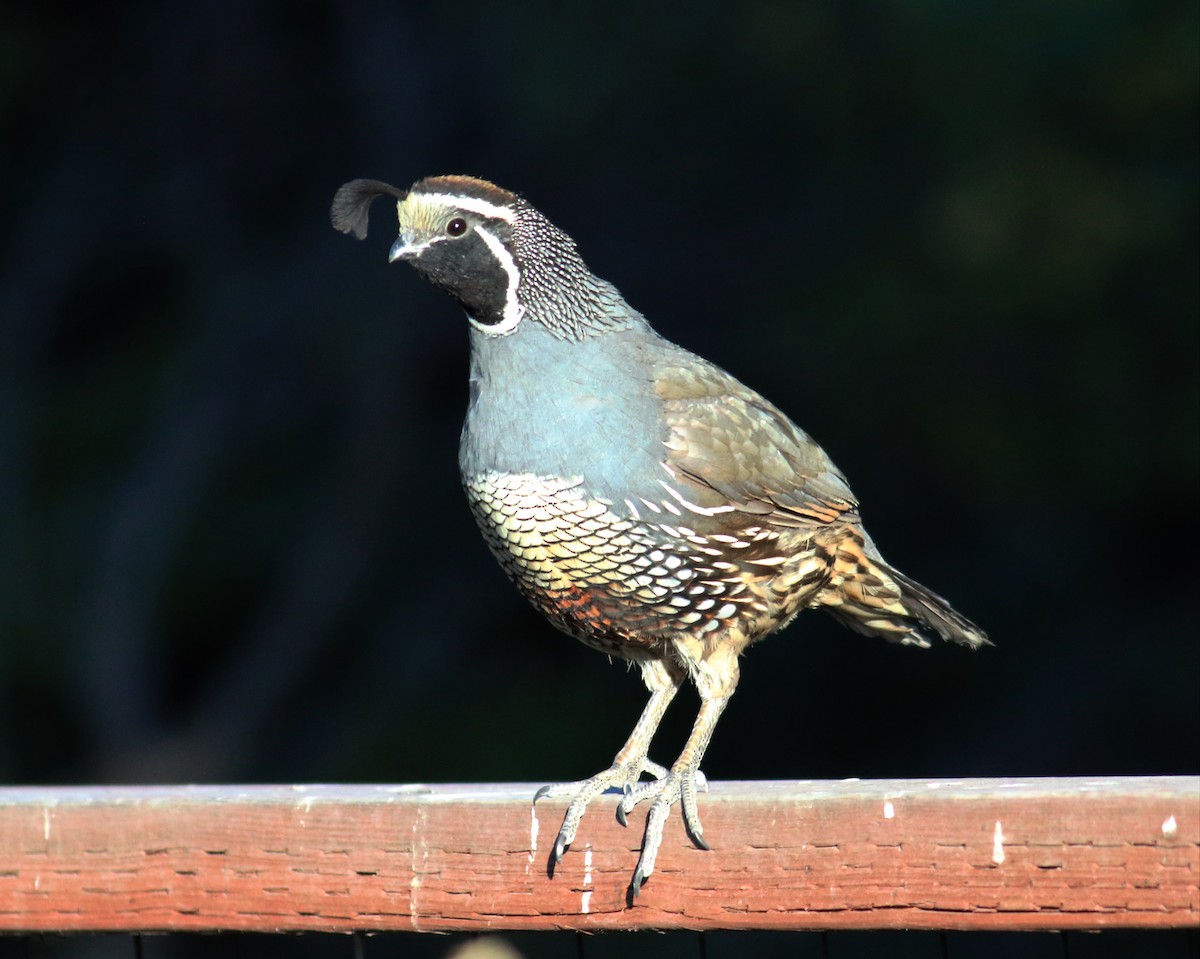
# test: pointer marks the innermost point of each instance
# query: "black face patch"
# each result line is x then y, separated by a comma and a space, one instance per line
469, 271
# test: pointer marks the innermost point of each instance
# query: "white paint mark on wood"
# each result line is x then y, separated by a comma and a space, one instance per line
1170, 828
998, 844
586, 902
420, 856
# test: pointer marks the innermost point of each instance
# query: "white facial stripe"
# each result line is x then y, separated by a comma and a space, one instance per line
471, 205
513, 311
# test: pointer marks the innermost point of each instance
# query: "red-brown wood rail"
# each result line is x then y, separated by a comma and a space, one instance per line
972, 854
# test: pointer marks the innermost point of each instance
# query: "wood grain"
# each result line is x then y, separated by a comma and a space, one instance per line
971, 854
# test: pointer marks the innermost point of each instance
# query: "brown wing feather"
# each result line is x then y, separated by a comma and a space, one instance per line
736, 449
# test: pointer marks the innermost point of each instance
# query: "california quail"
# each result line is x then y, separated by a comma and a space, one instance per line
643, 499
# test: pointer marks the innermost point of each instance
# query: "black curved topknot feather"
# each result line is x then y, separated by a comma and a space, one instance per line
352, 204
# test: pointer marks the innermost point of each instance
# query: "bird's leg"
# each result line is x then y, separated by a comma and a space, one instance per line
716, 678
663, 680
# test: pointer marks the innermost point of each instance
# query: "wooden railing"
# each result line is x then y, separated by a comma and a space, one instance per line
972, 854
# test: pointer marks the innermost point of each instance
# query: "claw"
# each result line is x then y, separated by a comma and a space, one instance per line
556, 854
625, 805
635, 884
622, 775
691, 813
651, 841
667, 788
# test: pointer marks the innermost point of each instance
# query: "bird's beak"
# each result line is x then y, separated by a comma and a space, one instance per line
400, 249
407, 248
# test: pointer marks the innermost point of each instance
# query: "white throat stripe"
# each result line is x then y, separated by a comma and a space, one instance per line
513, 311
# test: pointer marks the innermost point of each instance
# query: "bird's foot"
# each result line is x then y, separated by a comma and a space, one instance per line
623, 776
677, 786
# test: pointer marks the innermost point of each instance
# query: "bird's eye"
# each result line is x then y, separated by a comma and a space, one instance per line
457, 226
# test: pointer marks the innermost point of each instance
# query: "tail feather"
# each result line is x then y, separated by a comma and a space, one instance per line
933, 612
871, 597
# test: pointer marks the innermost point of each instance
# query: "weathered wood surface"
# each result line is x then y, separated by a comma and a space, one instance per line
972, 854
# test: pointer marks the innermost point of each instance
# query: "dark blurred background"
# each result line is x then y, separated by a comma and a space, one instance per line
956, 242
